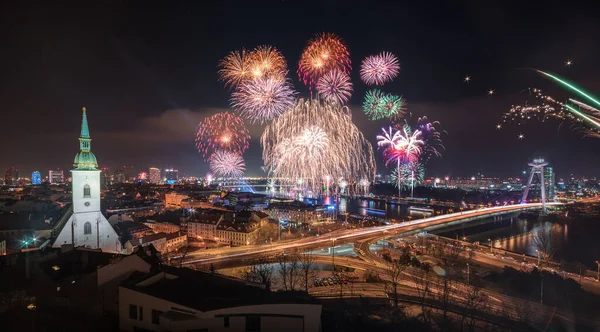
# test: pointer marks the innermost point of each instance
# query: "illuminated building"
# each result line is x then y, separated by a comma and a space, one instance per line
171, 176
550, 180
120, 176
105, 177
56, 176
11, 177
84, 224
154, 175
36, 178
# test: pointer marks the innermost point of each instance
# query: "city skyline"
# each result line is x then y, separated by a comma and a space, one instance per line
159, 103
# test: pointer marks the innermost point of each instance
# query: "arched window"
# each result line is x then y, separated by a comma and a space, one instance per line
87, 228
86, 191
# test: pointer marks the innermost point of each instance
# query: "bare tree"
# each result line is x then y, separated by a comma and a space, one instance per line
475, 301
422, 281
444, 299
393, 270
545, 241
288, 268
307, 268
261, 272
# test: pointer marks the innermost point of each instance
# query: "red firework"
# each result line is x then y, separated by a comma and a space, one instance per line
323, 53
222, 131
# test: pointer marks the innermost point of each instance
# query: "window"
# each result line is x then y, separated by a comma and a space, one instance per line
252, 323
156, 316
86, 191
133, 311
87, 228
226, 321
141, 314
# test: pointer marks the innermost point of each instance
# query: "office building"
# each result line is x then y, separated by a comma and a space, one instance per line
85, 225
105, 177
11, 177
171, 176
154, 175
550, 181
36, 178
120, 176
56, 176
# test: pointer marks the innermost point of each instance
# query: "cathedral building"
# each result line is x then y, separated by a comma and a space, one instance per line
85, 225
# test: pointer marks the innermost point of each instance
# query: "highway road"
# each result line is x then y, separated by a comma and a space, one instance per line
497, 301
228, 257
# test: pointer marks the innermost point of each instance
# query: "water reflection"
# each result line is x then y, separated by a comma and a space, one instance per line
575, 238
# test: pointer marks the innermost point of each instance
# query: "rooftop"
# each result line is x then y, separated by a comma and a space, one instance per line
205, 292
148, 238
171, 236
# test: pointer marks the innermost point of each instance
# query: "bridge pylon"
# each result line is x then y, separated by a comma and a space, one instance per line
537, 167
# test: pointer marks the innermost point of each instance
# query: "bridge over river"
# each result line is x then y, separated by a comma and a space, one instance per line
237, 256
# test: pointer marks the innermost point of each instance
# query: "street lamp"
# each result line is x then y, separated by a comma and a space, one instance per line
491, 248
468, 275
538, 254
333, 255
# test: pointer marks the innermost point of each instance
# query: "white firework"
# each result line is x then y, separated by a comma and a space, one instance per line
379, 69
227, 164
335, 86
263, 98
315, 139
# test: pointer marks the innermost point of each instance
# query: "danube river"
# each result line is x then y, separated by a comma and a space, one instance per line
576, 237
363, 207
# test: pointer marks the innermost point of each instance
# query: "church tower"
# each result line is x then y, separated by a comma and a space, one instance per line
87, 226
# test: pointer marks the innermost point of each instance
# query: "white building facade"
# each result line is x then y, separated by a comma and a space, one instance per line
87, 226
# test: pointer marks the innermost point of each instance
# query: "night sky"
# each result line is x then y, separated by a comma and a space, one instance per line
148, 75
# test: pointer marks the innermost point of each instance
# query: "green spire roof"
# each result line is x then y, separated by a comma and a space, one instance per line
85, 159
85, 131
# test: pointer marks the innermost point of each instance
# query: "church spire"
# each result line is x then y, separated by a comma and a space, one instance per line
85, 159
84, 138
85, 132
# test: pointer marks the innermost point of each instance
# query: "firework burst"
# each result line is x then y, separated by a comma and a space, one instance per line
582, 118
267, 61
227, 164
391, 106
411, 174
408, 175
235, 68
401, 146
432, 138
378, 105
222, 131
371, 104
379, 69
335, 86
262, 99
322, 54
315, 139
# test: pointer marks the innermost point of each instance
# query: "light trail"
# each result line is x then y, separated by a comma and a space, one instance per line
570, 86
327, 239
